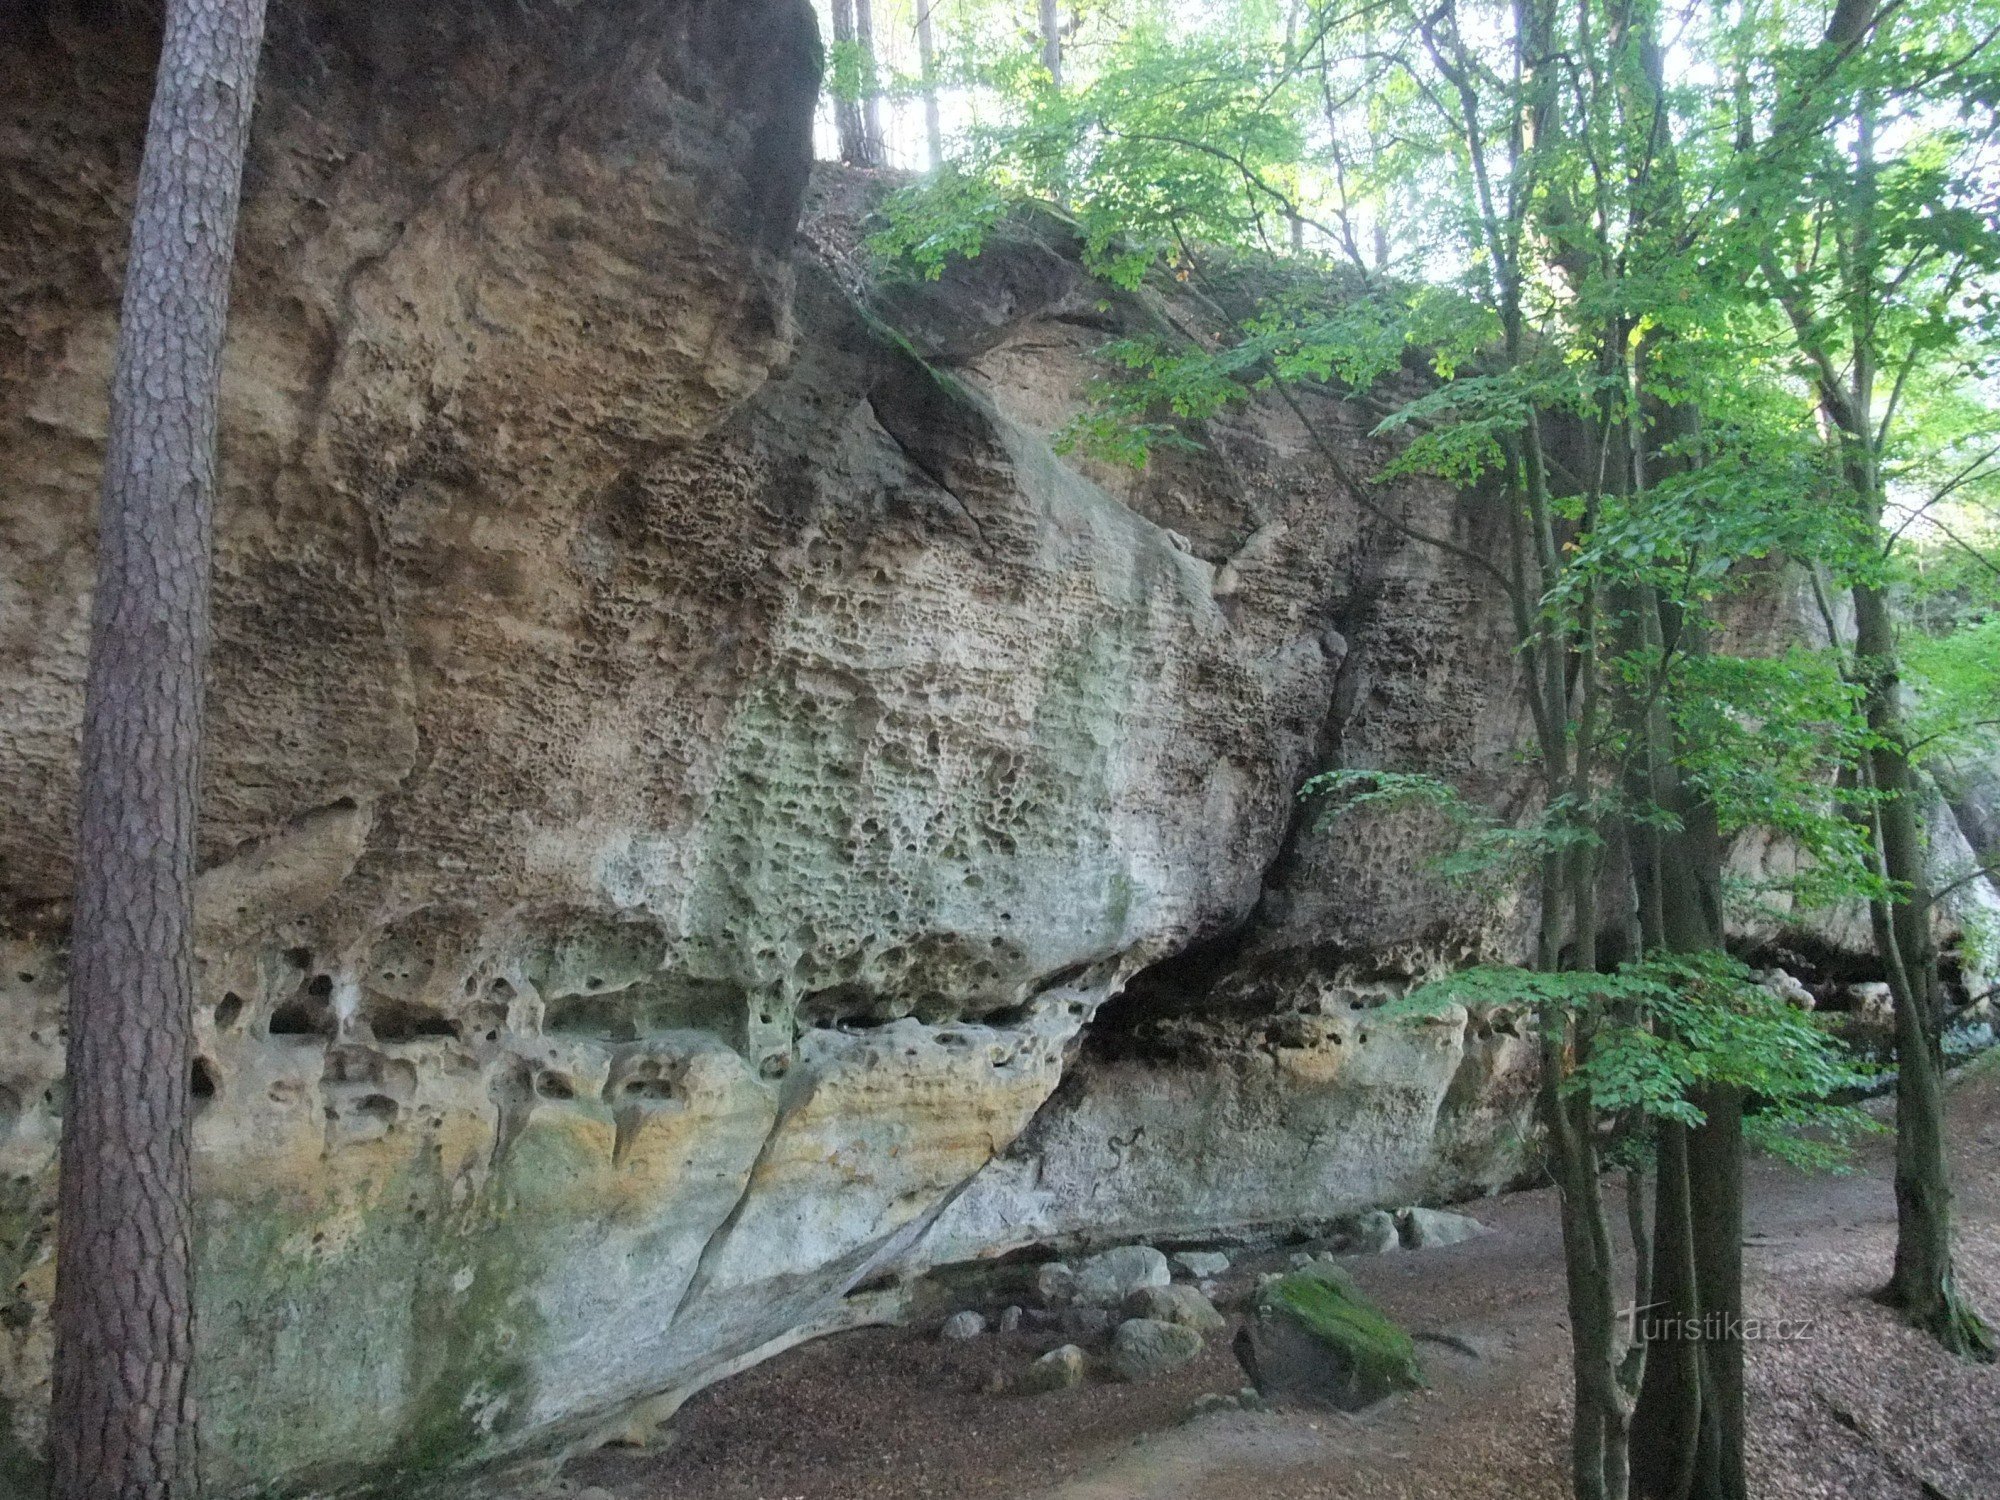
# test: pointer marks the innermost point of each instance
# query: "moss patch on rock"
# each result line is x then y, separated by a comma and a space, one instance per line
1315, 1338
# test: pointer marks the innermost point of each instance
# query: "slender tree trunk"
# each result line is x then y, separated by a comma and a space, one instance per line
871, 87
848, 121
1922, 1285
1715, 1187
1713, 1162
1052, 58
1632, 1368
1672, 1419
1689, 1423
1675, 1445
1688, 1426
122, 1422
927, 61
1568, 939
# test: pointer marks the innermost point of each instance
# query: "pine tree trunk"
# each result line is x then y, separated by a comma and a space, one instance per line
122, 1423
1051, 41
927, 61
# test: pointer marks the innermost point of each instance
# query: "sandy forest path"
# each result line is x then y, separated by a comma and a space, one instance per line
1855, 1406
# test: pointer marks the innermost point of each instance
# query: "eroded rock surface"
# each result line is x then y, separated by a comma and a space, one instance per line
690, 768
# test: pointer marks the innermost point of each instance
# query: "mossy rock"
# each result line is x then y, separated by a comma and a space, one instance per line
1312, 1338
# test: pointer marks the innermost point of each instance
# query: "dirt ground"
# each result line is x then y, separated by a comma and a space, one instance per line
1858, 1408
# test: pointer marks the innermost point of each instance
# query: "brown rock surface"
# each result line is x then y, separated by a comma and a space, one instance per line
683, 769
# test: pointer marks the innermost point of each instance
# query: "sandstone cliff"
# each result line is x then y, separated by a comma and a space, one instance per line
705, 808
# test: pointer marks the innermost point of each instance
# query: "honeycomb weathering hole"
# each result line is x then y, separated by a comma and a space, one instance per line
400, 1021
302, 1017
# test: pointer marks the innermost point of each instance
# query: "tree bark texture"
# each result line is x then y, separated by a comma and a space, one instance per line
1689, 1422
1922, 1285
871, 91
927, 62
122, 1424
1051, 41
856, 149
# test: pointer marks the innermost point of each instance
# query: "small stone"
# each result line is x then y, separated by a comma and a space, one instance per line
1429, 1228
1055, 1284
1229, 1299
1301, 1259
1202, 1265
1058, 1370
1175, 1304
1145, 1347
1373, 1233
1106, 1280
1787, 987
1213, 1401
1010, 1320
1873, 1003
1252, 1399
1084, 1322
961, 1326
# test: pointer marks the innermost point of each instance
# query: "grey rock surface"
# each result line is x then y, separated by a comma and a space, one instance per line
1431, 1228
1145, 1347
1175, 1304
1201, 1265
1086, 1323
961, 1327
1055, 1284
1109, 1277
1060, 1369
1372, 1233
